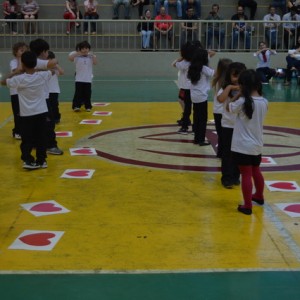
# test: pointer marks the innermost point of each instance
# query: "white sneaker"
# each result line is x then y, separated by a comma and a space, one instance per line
17, 136
30, 165
55, 151
76, 109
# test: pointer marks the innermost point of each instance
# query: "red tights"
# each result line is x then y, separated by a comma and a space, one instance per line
247, 173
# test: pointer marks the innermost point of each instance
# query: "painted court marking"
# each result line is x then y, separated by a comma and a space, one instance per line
83, 151
282, 186
91, 122
45, 208
102, 113
291, 209
78, 173
63, 133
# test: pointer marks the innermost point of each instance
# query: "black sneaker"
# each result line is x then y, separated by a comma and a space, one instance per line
30, 165
244, 210
182, 131
227, 184
42, 165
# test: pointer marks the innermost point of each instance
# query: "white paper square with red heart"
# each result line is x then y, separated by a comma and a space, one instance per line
90, 122
283, 186
37, 240
291, 209
45, 208
101, 104
102, 113
78, 173
63, 133
266, 160
83, 151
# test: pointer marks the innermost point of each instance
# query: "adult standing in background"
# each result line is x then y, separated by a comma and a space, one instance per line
90, 13
71, 13
271, 27
29, 10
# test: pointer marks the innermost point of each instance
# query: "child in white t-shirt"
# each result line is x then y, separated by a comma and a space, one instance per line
15, 66
84, 61
247, 140
33, 110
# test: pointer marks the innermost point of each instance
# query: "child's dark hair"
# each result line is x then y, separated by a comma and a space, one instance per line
29, 59
17, 46
249, 82
235, 68
51, 55
197, 44
84, 44
200, 59
38, 46
187, 51
220, 72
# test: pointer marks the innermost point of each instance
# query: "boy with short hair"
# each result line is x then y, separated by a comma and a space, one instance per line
84, 61
33, 110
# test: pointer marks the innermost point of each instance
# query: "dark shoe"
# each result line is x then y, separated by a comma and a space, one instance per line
237, 182
205, 143
127, 18
182, 131
244, 210
30, 165
258, 201
227, 185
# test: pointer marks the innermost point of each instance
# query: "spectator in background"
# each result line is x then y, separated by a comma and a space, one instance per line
146, 30
271, 27
116, 6
10, 11
290, 30
157, 6
71, 13
29, 10
196, 4
163, 28
294, 3
263, 54
240, 29
140, 4
90, 13
175, 3
293, 62
189, 27
280, 4
251, 4
215, 29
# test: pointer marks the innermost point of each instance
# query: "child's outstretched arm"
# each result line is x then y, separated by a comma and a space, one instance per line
73, 54
225, 94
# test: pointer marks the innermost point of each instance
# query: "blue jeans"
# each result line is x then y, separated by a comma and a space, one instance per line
93, 24
146, 38
116, 5
218, 33
236, 38
178, 7
272, 38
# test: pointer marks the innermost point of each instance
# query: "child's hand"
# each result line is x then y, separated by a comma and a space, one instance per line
235, 87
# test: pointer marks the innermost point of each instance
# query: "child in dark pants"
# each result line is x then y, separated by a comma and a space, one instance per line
33, 110
84, 61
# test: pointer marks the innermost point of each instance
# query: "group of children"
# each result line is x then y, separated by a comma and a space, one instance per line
239, 111
34, 91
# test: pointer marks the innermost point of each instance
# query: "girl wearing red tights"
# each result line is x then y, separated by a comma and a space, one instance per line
247, 139
72, 13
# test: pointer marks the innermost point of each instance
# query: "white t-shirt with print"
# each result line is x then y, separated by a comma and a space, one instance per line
183, 81
84, 68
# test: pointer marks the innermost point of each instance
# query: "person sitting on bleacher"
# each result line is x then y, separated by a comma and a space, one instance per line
29, 10
146, 30
10, 11
71, 13
290, 30
90, 13
140, 4
293, 62
163, 28
116, 6
189, 28
240, 29
196, 4
271, 27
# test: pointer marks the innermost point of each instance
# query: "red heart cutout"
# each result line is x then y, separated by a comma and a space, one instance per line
83, 151
81, 173
265, 160
90, 121
37, 239
45, 207
62, 133
295, 208
284, 185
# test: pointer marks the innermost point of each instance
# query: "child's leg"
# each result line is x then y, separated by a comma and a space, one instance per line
40, 138
259, 183
50, 128
16, 112
187, 109
53, 99
218, 118
196, 122
87, 94
27, 127
202, 121
76, 99
226, 165
246, 174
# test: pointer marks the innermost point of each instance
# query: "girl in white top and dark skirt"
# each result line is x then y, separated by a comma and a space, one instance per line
247, 139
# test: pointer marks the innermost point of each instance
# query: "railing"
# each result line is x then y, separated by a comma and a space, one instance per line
122, 35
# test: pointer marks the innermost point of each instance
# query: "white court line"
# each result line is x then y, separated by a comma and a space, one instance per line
237, 270
289, 241
6, 121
